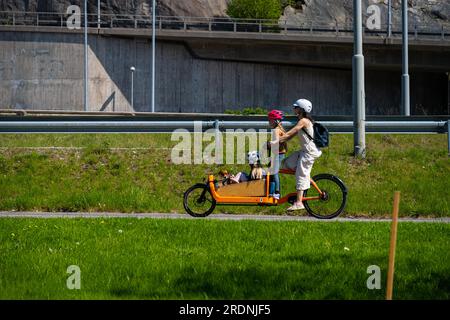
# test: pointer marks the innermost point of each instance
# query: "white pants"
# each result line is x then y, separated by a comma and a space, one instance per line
302, 162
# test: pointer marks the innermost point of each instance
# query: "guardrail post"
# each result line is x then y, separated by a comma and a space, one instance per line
260, 26
62, 19
37, 19
442, 32
184, 24
14, 19
337, 29
160, 23
209, 25
112, 19
218, 139
285, 27
135, 23
311, 28
415, 31
234, 26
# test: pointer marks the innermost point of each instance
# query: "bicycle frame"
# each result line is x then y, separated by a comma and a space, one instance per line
313, 183
259, 200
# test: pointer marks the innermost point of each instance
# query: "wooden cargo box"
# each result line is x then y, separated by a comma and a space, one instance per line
255, 188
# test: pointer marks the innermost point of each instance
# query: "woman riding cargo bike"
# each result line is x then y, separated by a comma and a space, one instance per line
323, 196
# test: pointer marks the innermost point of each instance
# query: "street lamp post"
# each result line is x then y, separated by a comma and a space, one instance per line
389, 26
153, 53
132, 87
98, 15
86, 72
359, 112
405, 75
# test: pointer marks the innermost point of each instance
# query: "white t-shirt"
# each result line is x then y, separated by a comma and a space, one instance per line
308, 145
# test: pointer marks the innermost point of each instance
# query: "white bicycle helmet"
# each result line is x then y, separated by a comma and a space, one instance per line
304, 104
253, 157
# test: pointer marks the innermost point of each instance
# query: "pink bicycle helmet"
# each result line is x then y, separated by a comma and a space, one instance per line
275, 115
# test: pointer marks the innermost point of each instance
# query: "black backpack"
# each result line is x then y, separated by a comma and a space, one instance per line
321, 136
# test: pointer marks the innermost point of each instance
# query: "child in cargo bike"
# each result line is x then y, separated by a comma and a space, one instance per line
256, 171
275, 118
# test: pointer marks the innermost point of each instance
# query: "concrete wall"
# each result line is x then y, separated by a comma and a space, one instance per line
45, 71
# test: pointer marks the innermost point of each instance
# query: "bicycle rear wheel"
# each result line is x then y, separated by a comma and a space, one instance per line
198, 201
332, 201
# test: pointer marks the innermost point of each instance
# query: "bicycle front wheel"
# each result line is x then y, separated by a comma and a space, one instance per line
331, 202
198, 201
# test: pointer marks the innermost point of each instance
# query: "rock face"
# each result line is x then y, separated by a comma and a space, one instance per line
199, 8
192, 8
430, 13
424, 12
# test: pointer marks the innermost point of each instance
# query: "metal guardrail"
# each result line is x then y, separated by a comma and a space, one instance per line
222, 24
58, 115
62, 126
34, 125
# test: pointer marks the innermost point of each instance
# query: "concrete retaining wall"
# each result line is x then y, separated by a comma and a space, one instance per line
45, 71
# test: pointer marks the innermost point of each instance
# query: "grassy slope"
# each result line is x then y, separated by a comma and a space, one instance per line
100, 179
199, 259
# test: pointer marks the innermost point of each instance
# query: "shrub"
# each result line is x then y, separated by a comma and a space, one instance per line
254, 9
247, 111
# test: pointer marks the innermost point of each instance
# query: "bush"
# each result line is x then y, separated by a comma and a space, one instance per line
254, 9
247, 111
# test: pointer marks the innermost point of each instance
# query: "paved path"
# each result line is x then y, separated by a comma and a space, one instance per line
220, 216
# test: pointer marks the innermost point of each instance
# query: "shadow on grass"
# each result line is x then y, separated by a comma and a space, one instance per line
235, 283
443, 282
250, 283
307, 276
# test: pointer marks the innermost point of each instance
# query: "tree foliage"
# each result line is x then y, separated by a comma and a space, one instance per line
254, 9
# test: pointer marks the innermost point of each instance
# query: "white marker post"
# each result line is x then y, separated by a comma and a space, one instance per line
132, 69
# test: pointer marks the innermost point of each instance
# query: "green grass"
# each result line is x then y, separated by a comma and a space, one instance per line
101, 178
211, 259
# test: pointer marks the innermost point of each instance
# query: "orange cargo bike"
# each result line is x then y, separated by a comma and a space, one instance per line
326, 199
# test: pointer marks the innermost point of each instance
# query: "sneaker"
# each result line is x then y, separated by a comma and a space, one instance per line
234, 180
276, 196
296, 206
